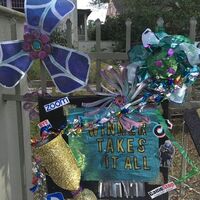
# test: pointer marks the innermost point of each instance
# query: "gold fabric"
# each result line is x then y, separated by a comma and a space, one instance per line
60, 163
86, 195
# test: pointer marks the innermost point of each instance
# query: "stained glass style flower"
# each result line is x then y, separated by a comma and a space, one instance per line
68, 68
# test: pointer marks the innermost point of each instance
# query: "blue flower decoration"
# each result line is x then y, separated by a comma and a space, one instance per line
68, 68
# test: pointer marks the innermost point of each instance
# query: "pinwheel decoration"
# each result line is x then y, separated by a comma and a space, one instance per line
168, 62
120, 100
68, 68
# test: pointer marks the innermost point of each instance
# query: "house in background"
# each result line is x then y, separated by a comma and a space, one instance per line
99, 12
82, 23
79, 23
14, 4
116, 7
78, 18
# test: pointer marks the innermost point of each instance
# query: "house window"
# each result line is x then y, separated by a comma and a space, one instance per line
18, 4
3, 2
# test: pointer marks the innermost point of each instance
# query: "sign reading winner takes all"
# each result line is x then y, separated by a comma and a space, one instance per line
111, 153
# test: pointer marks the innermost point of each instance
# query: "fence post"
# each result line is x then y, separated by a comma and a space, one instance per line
43, 78
98, 50
85, 28
184, 142
13, 27
192, 35
185, 137
128, 34
69, 33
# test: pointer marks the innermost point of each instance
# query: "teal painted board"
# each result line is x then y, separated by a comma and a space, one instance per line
110, 153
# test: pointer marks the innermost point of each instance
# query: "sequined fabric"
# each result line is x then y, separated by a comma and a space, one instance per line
60, 163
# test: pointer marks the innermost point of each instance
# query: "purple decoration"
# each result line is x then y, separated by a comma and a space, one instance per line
75, 193
33, 114
170, 81
147, 46
28, 37
170, 52
42, 55
159, 63
35, 33
128, 124
35, 43
69, 68
26, 46
27, 106
47, 48
171, 71
120, 101
34, 55
44, 39
30, 106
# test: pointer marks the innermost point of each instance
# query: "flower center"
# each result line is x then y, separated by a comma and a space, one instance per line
37, 45
119, 101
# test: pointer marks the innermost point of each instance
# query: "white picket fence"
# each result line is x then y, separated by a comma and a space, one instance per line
15, 149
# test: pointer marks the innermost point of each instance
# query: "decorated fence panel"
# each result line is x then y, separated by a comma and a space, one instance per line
115, 155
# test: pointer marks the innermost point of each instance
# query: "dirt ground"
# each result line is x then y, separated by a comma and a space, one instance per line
190, 190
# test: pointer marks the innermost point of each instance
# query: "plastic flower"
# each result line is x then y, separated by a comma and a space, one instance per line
36, 43
168, 63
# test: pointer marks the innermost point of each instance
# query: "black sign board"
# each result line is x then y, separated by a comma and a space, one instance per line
57, 118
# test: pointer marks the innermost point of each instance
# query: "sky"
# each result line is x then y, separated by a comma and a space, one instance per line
96, 12
81, 4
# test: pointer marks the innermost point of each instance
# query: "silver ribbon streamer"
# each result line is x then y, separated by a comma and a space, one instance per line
126, 189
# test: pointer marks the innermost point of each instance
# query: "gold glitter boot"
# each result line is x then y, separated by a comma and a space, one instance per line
57, 158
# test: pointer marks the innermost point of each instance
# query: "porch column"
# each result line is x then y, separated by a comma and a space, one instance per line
74, 21
9, 3
85, 28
